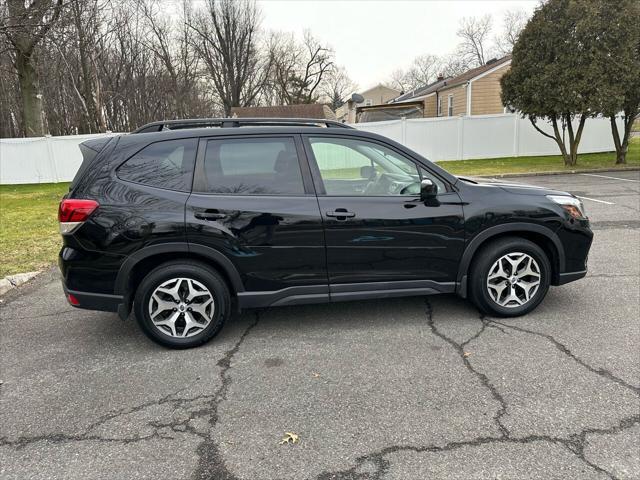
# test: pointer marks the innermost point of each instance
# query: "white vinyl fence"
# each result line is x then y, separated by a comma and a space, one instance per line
41, 159
56, 159
486, 136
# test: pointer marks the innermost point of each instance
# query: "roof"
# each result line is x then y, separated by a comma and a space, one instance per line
452, 81
379, 85
304, 110
420, 92
475, 72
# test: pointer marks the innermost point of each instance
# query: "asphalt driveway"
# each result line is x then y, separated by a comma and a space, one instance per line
390, 389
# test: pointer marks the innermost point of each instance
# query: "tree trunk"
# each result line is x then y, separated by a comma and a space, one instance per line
560, 141
31, 100
622, 146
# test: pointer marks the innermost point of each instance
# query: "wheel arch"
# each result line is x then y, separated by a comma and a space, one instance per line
137, 265
542, 236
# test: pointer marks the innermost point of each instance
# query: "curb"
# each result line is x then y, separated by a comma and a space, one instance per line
566, 172
13, 281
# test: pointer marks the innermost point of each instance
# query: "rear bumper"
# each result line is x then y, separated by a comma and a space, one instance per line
571, 276
94, 301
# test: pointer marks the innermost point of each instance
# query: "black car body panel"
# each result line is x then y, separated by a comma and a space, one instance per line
278, 249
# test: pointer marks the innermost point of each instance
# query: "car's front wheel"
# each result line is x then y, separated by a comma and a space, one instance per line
182, 304
509, 277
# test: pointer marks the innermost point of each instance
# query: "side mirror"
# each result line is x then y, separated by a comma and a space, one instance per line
428, 189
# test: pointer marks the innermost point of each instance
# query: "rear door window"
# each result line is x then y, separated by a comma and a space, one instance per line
251, 166
167, 165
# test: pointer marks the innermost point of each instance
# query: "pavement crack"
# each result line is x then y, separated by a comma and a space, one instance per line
484, 380
566, 351
211, 465
575, 445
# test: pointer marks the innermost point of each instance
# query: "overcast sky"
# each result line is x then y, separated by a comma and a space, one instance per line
373, 38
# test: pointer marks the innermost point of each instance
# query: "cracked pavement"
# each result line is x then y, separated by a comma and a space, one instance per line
387, 389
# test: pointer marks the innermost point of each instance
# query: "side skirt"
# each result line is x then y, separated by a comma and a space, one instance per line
342, 292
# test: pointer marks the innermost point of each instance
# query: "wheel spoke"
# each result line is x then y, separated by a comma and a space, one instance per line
529, 288
169, 322
497, 271
201, 308
193, 292
190, 323
172, 291
161, 305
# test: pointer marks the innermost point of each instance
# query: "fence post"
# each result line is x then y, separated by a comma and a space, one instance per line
52, 159
516, 135
403, 130
460, 154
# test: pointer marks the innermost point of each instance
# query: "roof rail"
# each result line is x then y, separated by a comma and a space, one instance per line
237, 122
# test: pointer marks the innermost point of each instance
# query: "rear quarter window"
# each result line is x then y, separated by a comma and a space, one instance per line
167, 164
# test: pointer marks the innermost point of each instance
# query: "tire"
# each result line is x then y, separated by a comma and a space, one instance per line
188, 285
502, 295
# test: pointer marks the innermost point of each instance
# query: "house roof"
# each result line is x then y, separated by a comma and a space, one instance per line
475, 72
379, 85
419, 92
452, 81
311, 110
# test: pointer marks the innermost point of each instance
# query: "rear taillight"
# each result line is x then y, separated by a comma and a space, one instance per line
73, 212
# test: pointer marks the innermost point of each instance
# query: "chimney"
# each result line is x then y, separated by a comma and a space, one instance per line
440, 77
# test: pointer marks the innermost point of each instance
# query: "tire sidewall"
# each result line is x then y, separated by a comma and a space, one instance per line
203, 275
481, 271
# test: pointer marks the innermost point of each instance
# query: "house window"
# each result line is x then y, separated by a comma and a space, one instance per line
450, 105
439, 106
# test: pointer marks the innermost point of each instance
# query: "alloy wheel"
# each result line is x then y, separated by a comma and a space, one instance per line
513, 280
181, 307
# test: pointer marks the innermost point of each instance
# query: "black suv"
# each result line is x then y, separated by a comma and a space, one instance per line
187, 221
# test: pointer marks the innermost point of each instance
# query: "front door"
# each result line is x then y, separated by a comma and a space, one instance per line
253, 201
377, 229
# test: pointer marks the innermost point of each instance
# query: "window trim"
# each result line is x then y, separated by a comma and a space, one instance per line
189, 187
198, 184
450, 105
317, 176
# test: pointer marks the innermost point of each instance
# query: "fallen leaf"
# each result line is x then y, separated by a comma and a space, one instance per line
315, 374
289, 437
466, 354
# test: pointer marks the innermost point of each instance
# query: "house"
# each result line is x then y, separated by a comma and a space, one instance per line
378, 95
475, 92
310, 110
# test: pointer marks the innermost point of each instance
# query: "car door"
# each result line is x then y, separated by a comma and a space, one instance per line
379, 234
253, 201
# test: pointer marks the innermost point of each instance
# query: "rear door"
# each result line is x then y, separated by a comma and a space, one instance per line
253, 200
379, 234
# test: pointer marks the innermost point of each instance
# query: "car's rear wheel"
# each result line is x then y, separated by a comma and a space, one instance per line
509, 277
182, 304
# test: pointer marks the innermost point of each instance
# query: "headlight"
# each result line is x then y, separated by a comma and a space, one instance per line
572, 205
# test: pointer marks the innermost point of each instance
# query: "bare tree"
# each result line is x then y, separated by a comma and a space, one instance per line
337, 87
298, 69
26, 24
474, 34
514, 22
399, 80
227, 43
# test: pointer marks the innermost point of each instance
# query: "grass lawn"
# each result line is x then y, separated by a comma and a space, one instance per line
29, 238
552, 163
